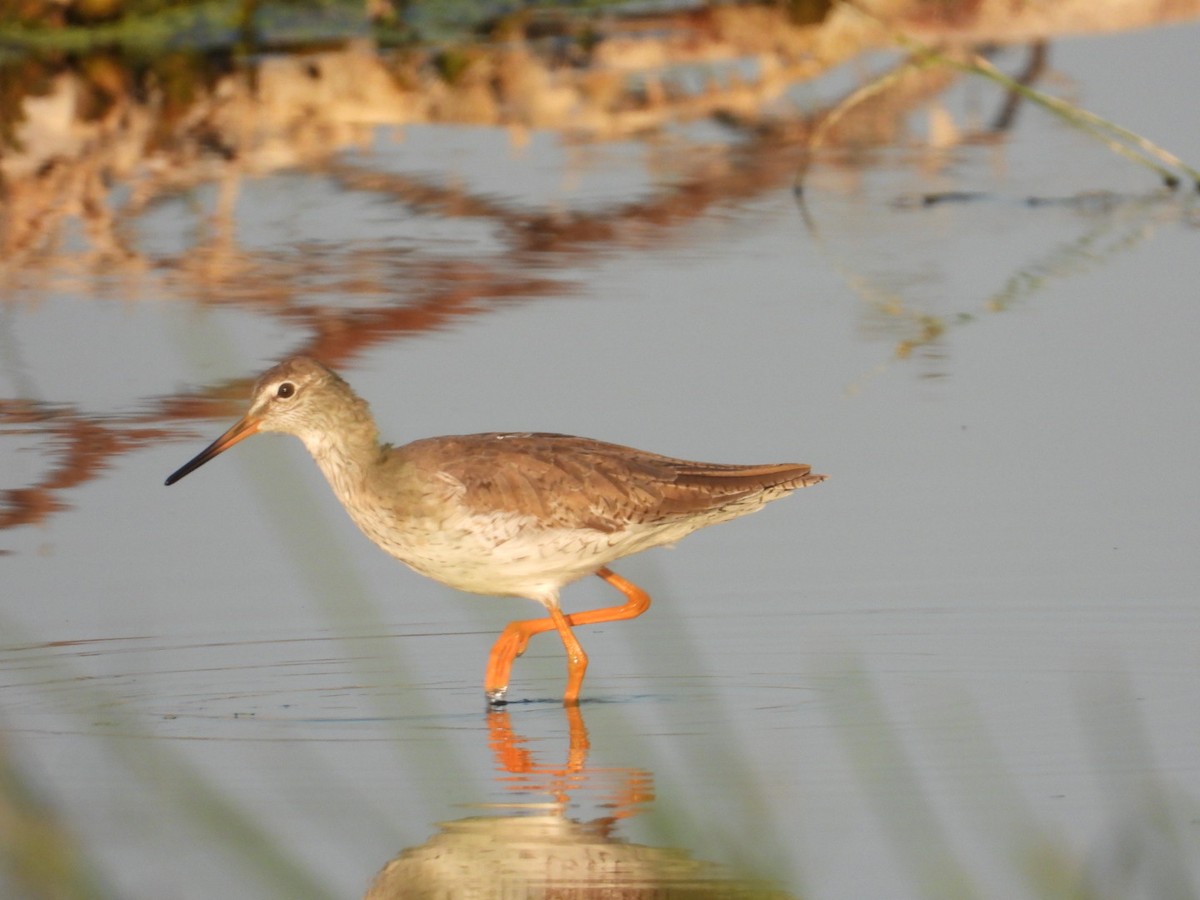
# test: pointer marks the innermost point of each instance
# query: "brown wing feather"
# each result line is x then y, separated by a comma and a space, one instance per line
576, 482
698, 486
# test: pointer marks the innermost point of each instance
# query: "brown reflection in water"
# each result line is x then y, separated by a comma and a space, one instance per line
537, 851
166, 127
78, 449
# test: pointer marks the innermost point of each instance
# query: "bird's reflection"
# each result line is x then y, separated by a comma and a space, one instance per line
535, 850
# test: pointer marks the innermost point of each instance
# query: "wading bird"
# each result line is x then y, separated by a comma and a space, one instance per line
517, 515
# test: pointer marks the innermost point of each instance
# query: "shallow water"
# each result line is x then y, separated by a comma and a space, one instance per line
966, 660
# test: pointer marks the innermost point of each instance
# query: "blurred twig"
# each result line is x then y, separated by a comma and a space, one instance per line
1117, 138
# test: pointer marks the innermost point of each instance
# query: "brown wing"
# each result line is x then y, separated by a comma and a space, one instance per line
575, 482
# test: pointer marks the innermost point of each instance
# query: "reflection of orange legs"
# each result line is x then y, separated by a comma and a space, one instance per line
516, 635
514, 757
518, 769
510, 750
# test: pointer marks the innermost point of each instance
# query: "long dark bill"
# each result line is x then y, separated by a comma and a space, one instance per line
242, 428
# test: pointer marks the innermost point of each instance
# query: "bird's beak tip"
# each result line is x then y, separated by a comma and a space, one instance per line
242, 429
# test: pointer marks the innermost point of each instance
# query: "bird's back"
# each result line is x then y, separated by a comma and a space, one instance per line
578, 483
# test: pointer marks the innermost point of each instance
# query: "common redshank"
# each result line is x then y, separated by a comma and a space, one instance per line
517, 515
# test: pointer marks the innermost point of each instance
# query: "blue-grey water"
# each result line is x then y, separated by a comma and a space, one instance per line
972, 651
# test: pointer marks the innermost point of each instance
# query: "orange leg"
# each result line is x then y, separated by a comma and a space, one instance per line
508, 647
516, 635
576, 659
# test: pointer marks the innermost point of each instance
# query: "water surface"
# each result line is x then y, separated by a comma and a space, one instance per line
971, 651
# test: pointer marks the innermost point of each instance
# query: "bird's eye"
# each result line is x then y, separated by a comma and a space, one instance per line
285, 390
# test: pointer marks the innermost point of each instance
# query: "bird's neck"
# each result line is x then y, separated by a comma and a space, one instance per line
346, 450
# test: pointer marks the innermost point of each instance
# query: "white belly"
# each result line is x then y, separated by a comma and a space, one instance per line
506, 555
